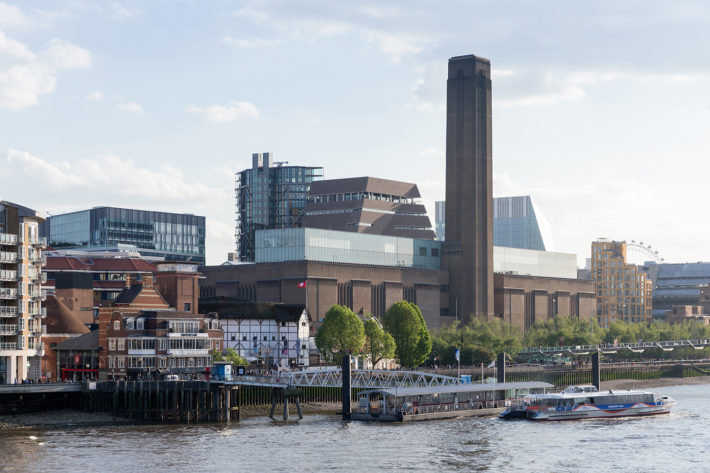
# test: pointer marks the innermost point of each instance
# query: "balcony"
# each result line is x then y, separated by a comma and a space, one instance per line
8, 311
39, 277
7, 293
8, 329
8, 257
8, 346
8, 239
8, 275
39, 295
40, 242
188, 352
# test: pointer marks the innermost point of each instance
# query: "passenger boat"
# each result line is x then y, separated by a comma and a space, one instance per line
518, 410
406, 404
585, 402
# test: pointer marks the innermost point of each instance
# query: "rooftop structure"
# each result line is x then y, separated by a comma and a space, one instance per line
168, 236
677, 284
368, 205
269, 195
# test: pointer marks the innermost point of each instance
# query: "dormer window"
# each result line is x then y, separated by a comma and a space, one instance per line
129, 324
139, 324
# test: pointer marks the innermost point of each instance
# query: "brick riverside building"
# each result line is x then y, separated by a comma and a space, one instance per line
62, 325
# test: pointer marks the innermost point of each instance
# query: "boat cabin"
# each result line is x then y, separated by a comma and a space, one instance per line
438, 402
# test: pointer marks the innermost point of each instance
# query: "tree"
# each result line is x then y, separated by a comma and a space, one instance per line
378, 343
231, 355
405, 322
342, 332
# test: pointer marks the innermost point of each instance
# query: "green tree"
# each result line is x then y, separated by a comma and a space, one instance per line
405, 322
342, 332
378, 343
230, 355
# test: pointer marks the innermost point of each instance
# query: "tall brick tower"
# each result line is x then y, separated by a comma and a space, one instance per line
468, 249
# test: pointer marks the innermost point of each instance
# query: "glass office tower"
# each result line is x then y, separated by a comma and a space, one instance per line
269, 195
175, 237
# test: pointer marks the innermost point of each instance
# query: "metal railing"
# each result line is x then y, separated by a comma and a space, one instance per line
8, 293
8, 239
41, 241
8, 346
8, 311
8, 275
610, 347
8, 257
8, 329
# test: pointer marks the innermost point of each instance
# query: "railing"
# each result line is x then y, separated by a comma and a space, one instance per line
41, 241
8, 257
8, 311
8, 346
8, 239
41, 314
8, 329
7, 293
609, 347
8, 275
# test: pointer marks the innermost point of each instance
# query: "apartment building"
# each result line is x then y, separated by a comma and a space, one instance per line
21, 294
624, 292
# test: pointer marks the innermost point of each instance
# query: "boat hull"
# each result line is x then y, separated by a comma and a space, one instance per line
594, 412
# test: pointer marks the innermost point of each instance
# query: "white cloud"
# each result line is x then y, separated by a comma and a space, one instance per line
252, 14
25, 75
119, 11
95, 96
225, 113
396, 45
251, 43
130, 107
12, 17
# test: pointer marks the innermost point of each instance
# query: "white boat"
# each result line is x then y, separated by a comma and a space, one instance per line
586, 402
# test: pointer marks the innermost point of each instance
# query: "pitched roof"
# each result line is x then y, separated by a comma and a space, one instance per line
128, 295
99, 265
62, 320
88, 341
230, 308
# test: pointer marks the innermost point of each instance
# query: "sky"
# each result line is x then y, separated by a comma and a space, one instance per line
601, 110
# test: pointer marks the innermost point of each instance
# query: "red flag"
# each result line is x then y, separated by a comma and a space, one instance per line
302, 284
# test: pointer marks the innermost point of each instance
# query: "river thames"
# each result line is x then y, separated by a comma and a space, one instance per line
679, 441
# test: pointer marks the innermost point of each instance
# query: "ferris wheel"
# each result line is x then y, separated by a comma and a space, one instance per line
638, 252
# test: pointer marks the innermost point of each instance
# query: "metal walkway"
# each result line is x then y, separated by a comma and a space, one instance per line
609, 348
333, 378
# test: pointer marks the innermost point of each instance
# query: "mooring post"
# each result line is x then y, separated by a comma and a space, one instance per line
285, 396
501, 367
227, 404
596, 371
298, 408
273, 403
346, 394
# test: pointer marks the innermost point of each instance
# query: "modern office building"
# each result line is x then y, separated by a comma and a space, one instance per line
21, 295
623, 290
468, 249
677, 284
162, 235
269, 195
368, 205
517, 223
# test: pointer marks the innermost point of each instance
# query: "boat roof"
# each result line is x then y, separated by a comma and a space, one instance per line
608, 392
458, 388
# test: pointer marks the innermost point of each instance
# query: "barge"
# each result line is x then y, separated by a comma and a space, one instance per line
407, 404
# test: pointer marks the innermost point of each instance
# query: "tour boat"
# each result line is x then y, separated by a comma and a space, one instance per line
586, 402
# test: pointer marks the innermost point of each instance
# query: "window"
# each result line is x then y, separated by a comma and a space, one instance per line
187, 307
121, 362
120, 344
435, 252
181, 362
163, 344
129, 324
111, 345
117, 325
139, 324
244, 338
162, 362
111, 362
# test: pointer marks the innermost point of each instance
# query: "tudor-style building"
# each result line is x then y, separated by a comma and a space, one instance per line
277, 334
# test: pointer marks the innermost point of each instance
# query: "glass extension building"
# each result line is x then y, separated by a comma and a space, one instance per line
269, 195
174, 237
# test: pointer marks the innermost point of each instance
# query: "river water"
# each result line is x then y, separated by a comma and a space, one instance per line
668, 443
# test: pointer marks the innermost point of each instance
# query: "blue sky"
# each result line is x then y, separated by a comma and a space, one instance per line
601, 109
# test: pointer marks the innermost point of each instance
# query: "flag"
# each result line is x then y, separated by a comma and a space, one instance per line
458, 355
302, 284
